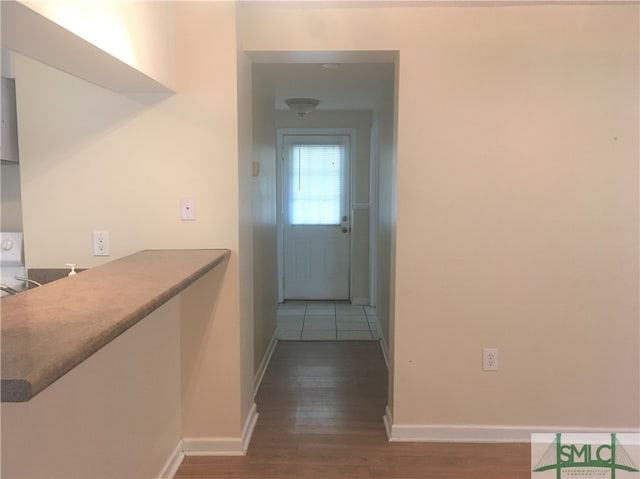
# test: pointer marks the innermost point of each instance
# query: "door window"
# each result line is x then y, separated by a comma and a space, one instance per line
316, 184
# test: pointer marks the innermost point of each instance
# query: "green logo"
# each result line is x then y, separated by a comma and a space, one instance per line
590, 458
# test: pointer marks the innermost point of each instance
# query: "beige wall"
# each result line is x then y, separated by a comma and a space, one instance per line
96, 159
385, 164
264, 210
116, 415
517, 211
246, 227
211, 398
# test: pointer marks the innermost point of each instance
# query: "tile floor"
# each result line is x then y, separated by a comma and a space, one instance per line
301, 320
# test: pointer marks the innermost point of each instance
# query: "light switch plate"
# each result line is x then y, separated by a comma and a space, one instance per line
187, 209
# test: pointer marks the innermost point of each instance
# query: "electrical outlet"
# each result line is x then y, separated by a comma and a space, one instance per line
490, 359
101, 242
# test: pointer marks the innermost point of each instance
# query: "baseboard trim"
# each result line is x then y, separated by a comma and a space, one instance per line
249, 427
170, 467
388, 421
480, 434
385, 350
223, 446
264, 363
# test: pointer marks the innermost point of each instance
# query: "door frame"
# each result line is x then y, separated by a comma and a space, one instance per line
281, 133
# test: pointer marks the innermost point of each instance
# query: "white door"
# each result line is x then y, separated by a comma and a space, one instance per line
316, 223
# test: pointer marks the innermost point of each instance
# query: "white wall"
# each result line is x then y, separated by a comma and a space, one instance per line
517, 211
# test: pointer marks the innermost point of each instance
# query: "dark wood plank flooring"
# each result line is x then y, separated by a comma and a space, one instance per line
321, 406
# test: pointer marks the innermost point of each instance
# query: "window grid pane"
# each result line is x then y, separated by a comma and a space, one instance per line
315, 184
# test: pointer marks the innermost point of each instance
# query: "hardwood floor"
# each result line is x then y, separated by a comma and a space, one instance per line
321, 406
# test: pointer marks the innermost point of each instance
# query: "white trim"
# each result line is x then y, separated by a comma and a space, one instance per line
384, 348
480, 434
249, 426
374, 184
387, 419
212, 446
222, 446
173, 463
257, 380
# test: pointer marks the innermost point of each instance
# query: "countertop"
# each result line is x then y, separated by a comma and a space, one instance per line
49, 330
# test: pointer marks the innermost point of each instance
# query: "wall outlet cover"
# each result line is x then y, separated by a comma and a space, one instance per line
490, 359
101, 243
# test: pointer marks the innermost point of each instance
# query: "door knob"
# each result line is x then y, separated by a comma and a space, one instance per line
345, 218
345, 229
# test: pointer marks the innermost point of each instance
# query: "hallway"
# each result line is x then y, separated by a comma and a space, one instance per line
321, 405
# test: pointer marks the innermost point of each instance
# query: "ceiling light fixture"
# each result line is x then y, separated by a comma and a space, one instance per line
302, 106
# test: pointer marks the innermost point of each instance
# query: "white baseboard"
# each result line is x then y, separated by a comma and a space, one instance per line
388, 421
173, 463
385, 350
257, 380
222, 446
363, 301
477, 434
249, 426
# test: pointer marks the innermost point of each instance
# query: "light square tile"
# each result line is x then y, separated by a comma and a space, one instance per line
350, 309
354, 335
319, 335
289, 335
320, 317
291, 311
353, 326
290, 326
321, 308
319, 325
291, 319
341, 317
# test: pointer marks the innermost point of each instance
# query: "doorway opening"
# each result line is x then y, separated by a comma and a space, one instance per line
342, 256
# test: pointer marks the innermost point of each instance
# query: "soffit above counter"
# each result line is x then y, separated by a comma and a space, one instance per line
31, 34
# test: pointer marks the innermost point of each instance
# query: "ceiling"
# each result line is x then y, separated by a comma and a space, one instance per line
338, 86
